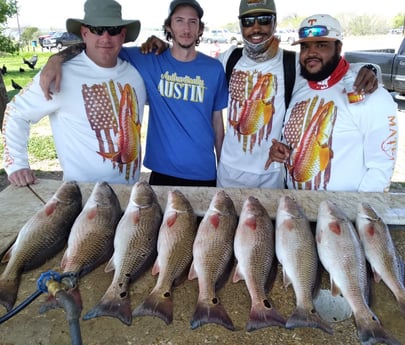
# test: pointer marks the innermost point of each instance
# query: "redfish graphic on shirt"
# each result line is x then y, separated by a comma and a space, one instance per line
252, 106
115, 120
309, 131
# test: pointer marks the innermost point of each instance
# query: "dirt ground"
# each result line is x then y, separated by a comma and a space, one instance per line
31, 328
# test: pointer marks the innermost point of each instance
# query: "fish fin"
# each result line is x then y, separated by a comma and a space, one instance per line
212, 312
377, 277
334, 289
110, 265
155, 268
370, 331
171, 220
192, 274
159, 304
8, 292
118, 308
263, 315
307, 318
286, 279
91, 214
237, 275
181, 278
251, 222
52, 303
335, 227
135, 216
64, 260
272, 275
318, 280
227, 272
214, 220
7, 256
50, 208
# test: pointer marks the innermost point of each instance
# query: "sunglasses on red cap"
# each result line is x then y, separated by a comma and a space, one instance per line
99, 30
313, 31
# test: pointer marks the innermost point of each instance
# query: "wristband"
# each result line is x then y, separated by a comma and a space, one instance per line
371, 68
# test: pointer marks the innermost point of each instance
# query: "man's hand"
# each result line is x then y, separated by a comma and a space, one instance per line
278, 152
51, 73
22, 177
154, 43
366, 81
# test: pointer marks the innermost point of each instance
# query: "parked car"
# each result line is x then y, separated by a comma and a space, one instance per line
60, 40
391, 62
43, 37
221, 36
286, 35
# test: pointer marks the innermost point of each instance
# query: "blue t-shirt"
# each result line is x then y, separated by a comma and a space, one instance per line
182, 97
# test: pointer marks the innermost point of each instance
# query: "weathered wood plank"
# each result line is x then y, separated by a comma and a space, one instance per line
20, 203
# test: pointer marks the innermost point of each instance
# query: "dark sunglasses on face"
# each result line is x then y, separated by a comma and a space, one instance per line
99, 30
313, 31
261, 20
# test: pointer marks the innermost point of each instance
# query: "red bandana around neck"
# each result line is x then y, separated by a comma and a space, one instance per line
337, 74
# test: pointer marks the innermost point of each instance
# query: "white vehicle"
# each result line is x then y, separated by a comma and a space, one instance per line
221, 36
286, 35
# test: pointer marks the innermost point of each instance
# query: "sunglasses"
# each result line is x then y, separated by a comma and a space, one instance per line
313, 31
248, 22
99, 30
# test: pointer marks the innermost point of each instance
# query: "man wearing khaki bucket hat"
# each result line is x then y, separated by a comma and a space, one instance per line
96, 118
187, 91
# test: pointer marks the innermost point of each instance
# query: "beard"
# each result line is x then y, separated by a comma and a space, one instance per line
325, 72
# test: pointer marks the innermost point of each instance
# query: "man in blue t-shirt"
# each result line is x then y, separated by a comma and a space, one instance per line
187, 91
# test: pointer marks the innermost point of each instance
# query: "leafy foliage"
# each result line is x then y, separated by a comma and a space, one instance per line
8, 8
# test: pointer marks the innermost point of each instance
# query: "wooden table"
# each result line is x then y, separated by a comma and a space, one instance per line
29, 327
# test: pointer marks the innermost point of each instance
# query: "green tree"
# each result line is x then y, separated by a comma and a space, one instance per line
366, 25
8, 8
398, 21
29, 34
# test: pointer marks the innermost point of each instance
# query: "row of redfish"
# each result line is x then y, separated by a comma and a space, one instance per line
174, 241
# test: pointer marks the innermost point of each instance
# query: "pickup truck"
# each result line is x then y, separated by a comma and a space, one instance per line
392, 65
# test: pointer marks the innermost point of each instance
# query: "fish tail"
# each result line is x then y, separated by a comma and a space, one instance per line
157, 304
371, 332
307, 318
52, 303
8, 292
211, 313
118, 308
264, 315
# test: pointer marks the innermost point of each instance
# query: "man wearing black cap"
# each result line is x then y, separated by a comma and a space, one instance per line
187, 91
97, 116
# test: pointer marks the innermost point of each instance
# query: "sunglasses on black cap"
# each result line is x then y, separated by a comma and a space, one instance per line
248, 22
111, 30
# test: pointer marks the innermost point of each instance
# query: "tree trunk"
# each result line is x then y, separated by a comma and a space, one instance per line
3, 100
